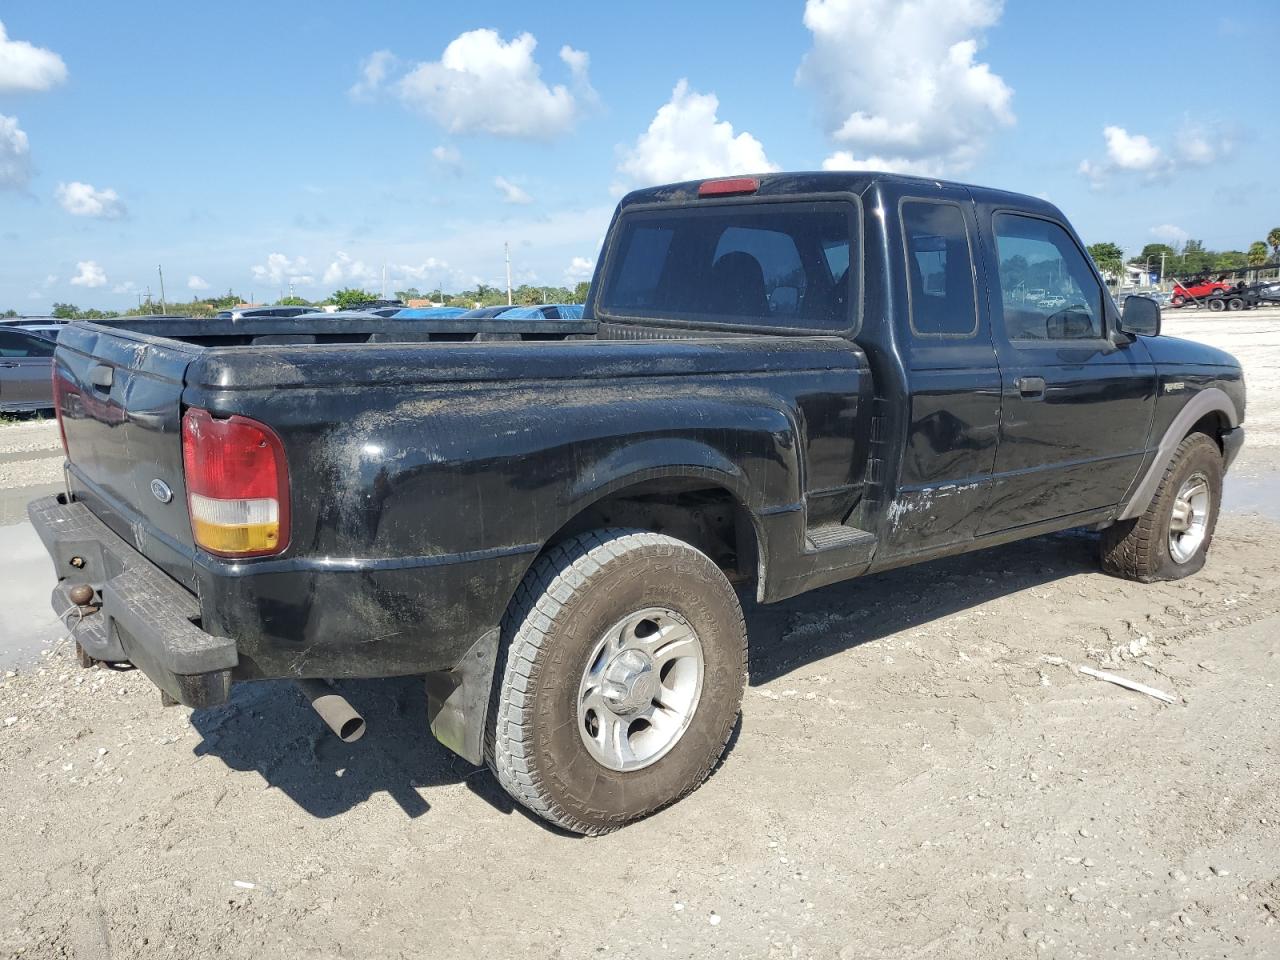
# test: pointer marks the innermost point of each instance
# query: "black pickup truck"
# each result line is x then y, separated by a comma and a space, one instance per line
780, 382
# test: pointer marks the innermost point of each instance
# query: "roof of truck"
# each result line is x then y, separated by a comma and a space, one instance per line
833, 181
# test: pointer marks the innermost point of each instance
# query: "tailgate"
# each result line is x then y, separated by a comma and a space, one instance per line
121, 404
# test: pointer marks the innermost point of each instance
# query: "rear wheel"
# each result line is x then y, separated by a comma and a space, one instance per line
1235, 303
1172, 537
1217, 304
622, 677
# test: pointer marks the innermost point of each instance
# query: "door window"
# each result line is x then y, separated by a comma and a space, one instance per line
15, 344
1047, 290
939, 270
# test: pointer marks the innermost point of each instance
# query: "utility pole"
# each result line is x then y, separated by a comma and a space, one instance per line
1163, 254
506, 247
160, 271
290, 289
384, 281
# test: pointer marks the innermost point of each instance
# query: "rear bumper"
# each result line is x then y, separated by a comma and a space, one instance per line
144, 616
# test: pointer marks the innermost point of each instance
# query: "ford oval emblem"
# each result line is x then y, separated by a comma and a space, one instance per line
160, 490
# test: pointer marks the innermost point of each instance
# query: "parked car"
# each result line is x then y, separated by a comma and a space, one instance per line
49, 331
546, 311
249, 313
25, 358
550, 530
426, 313
485, 313
31, 321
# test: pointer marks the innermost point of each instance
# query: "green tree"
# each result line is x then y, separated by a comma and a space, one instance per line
1229, 260
293, 302
66, 311
1195, 258
1273, 241
1109, 259
348, 298
9, 313
1257, 254
579, 294
410, 294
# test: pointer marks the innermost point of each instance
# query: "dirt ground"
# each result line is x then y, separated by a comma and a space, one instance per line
920, 772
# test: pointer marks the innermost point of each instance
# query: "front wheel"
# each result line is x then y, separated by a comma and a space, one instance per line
1172, 537
625, 660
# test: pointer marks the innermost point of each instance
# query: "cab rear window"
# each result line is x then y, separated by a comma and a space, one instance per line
756, 265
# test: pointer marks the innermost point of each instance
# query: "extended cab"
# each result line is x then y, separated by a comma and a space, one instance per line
779, 381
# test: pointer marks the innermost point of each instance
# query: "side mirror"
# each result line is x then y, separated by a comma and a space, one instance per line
1140, 317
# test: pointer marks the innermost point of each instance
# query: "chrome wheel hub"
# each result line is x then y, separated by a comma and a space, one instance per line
1189, 521
640, 689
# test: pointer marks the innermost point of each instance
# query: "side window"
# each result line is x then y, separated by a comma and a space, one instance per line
1047, 290
939, 270
16, 344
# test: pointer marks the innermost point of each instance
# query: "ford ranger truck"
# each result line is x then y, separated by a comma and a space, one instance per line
779, 382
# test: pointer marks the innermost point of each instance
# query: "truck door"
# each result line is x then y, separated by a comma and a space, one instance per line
952, 374
1077, 406
24, 370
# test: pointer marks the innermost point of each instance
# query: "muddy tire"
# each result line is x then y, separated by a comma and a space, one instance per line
622, 669
1171, 539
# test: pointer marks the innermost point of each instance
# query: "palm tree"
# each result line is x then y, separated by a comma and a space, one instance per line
1257, 254
1273, 241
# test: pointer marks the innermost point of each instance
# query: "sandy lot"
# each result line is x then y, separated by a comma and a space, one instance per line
920, 772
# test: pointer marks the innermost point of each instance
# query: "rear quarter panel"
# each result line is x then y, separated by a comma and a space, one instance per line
425, 479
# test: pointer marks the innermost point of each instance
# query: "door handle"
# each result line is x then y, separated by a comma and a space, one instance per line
1030, 388
101, 376
8, 365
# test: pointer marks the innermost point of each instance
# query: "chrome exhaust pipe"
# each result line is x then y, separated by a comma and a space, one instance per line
334, 710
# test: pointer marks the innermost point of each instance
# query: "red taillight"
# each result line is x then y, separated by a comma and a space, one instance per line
237, 485
720, 188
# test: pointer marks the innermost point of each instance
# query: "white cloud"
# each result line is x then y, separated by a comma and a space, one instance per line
27, 67
845, 160
15, 154
1136, 154
687, 141
85, 200
511, 193
49, 281
448, 157
482, 84
579, 269
89, 274
1131, 151
280, 269
197, 283
345, 270
899, 83
1168, 233
127, 287
373, 73
431, 271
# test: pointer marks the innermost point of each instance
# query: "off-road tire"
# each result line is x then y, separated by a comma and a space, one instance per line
567, 600
1138, 549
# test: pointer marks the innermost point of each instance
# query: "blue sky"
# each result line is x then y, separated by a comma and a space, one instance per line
245, 146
